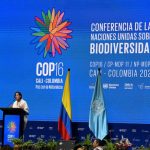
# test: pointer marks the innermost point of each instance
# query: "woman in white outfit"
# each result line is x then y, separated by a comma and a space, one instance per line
20, 103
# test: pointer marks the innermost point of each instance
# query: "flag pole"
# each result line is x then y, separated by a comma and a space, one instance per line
99, 69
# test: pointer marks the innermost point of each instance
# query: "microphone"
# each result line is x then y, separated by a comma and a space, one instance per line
10, 104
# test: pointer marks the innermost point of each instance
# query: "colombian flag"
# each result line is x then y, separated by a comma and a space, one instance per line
65, 118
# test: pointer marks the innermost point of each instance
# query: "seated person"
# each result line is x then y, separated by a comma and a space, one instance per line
97, 144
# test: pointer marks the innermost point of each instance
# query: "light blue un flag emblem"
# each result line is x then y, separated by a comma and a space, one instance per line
97, 116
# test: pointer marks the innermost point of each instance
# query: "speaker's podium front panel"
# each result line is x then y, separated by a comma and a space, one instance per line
11, 128
13, 123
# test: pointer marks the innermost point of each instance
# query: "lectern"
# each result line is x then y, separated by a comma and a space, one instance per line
13, 124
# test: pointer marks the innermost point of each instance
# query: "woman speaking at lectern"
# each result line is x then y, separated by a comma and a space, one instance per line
20, 103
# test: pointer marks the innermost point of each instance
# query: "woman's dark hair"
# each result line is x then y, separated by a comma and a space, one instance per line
17, 92
99, 142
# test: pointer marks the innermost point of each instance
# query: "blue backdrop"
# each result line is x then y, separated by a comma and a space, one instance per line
126, 95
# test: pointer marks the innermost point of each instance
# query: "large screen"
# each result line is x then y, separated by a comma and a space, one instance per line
40, 40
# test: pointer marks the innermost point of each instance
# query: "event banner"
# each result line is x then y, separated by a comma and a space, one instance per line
40, 40
11, 129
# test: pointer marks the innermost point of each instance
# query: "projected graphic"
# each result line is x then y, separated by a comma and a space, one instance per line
40, 40
52, 33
